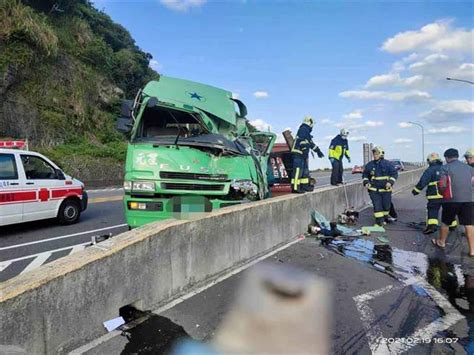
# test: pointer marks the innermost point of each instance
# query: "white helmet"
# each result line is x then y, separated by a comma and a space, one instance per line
379, 150
344, 133
432, 157
469, 153
309, 121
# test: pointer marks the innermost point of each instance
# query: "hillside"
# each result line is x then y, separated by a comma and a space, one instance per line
64, 66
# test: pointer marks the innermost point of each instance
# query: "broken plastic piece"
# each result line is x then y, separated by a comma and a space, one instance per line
114, 323
325, 226
383, 239
373, 229
379, 267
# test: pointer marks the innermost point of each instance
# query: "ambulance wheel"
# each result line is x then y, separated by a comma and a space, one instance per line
69, 212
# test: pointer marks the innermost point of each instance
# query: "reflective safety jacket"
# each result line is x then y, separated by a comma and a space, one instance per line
303, 141
338, 148
377, 173
430, 179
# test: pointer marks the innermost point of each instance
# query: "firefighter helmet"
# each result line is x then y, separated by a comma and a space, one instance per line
379, 150
432, 157
344, 133
309, 121
469, 153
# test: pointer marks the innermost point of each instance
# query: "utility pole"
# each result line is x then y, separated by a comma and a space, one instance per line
422, 139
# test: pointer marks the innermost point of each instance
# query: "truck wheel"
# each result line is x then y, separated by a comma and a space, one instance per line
69, 212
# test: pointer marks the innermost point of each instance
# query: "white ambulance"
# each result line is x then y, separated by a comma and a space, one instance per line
32, 187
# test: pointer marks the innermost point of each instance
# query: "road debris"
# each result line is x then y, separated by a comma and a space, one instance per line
373, 229
329, 229
114, 323
383, 239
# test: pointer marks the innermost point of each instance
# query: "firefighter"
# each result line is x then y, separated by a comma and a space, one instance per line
379, 177
430, 179
303, 143
469, 155
337, 150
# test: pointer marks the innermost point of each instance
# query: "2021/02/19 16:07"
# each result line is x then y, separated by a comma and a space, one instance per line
411, 340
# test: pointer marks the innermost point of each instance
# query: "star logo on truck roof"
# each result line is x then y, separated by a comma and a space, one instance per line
195, 95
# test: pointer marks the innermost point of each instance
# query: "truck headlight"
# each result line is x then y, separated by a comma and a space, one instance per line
143, 186
245, 186
127, 185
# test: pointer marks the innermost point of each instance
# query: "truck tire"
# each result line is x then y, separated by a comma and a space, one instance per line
69, 212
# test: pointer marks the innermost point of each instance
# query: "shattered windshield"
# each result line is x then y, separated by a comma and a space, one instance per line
168, 126
158, 123
213, 140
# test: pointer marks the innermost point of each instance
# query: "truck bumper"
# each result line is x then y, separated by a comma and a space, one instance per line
140, 211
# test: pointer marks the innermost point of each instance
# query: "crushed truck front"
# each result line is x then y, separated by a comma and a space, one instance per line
190, 153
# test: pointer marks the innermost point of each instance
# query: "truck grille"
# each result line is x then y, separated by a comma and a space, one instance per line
192, 176
195, 187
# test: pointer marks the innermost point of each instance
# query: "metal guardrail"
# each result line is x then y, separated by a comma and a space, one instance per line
415, 164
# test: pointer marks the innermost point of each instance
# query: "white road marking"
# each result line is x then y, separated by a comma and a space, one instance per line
451, 317
367, 316
374, 333
62, 237
104, 190
77, 248
4, 265
41, 258
37, 262
49, 251
96, 342
104, 338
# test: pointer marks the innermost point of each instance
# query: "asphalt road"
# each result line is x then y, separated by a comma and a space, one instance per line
425, 303
24, 247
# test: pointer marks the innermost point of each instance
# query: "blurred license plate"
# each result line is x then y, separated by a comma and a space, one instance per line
190, 206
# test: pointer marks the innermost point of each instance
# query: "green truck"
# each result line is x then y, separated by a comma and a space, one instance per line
191, 151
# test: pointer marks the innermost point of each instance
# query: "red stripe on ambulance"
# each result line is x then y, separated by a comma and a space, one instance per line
17, 196
41, 195
66, 193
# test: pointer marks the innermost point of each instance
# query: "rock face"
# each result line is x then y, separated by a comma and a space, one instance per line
63, 72
50, 104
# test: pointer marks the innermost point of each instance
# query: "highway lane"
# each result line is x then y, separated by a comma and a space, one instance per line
367, 305
323, 178
24, 247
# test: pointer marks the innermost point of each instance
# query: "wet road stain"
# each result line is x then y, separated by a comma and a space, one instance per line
455, 281
155, 335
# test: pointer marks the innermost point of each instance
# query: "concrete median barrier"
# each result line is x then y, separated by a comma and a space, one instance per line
63, 304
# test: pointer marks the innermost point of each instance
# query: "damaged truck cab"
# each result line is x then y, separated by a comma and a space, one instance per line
190, 152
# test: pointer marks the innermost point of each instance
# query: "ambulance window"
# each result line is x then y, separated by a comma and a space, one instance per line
8, 167
37, 168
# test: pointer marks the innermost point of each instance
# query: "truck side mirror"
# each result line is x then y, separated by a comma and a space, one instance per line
126, 108
242, 107
152, 102
124, 124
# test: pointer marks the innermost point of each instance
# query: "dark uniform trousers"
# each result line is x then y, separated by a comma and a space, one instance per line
337, 170
300, 174
381, 202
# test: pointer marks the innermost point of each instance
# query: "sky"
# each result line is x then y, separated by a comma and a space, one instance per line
367, 66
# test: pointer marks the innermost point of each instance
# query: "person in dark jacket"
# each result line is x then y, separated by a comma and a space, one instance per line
430, 179
378, 177
338, 149
303, 143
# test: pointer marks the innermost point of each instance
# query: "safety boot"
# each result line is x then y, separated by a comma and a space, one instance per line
430, 229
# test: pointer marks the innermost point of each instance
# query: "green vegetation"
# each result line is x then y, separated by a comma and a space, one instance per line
64, 67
